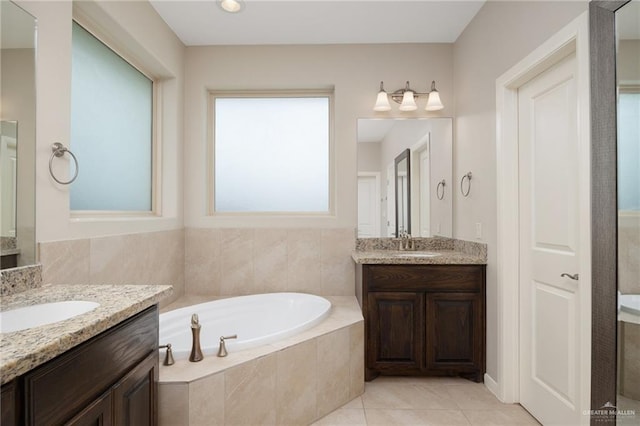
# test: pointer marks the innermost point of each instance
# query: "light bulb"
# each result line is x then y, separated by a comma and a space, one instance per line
434, 103
231, 6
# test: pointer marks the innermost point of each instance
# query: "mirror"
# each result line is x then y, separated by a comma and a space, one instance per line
412, 193
17, 135
627, 20
402, 174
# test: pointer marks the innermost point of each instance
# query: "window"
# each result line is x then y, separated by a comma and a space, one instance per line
628, 149
111, 129
271, 153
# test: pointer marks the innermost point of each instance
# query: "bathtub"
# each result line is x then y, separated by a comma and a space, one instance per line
257, 320
629, 308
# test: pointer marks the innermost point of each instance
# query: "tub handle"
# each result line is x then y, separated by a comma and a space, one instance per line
168, 358
222, 350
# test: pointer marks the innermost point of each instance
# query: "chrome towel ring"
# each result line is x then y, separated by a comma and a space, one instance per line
468, 177
58, 151
442, 184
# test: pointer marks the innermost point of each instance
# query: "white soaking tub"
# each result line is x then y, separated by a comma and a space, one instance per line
256, 320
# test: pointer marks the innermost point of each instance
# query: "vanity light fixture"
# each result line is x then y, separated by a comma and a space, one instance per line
406, 97
231, 6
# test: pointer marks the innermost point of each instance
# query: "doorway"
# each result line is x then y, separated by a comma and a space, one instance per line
544, 229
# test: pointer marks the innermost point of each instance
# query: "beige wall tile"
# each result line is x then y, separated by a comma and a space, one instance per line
333, 370
270, 259
337, 267
206, 401
173, 404
236, 274
296, 384
356, 363
111, 260
65, 262
304, 261
250, 393
203, 260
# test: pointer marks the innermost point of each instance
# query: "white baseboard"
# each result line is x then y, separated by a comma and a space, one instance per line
492, 385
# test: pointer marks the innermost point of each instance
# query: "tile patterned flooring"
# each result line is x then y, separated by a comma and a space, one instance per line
427, 401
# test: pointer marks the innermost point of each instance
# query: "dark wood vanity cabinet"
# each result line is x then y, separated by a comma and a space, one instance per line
424, 320
109, 380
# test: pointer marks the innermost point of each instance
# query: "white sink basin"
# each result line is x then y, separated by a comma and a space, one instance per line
417, 254
43, 314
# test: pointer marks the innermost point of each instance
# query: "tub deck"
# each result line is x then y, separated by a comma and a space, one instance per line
293, 381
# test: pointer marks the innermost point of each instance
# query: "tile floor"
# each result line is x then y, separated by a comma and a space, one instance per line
427, 401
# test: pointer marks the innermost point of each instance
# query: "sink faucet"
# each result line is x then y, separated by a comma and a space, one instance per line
406, 242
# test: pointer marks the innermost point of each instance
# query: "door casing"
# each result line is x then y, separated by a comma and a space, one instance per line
572, 38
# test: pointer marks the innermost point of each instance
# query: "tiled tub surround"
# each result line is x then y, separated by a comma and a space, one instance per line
234, 262
16, 280
293, 381
24, 350
152, 257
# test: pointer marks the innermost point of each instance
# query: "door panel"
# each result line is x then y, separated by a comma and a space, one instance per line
368, 207
549, 218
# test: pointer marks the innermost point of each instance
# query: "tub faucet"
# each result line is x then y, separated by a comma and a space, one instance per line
196, 350
222, 351
168, 358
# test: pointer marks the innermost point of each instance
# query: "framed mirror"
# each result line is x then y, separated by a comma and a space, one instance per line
17, 135
627, 22
415, 196
402, 179
615, 151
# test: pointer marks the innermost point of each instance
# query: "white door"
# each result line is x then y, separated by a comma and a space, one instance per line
368, 206
550, 379
425, 194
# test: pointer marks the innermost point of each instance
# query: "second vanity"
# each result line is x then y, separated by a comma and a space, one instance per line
99, 367
424, 310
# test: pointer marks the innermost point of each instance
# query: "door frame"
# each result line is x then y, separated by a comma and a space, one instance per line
572, 38
377, 177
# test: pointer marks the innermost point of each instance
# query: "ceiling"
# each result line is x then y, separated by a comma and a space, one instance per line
203, 22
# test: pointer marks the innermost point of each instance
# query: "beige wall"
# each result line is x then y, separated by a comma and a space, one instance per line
136, 30
500, 35
266, 253
628, 62
354, 71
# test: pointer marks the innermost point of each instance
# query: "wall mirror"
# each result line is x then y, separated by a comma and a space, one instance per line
627, 22
402, 179
416, 196
17, 135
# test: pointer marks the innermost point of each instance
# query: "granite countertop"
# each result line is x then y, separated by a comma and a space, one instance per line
397, 257
8, 252
21, 351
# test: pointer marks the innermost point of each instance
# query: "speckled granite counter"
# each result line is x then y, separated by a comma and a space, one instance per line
393, 257
379, 251
21, 351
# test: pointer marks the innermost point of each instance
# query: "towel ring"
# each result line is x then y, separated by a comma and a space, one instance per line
441, 183
465, 193
58, 151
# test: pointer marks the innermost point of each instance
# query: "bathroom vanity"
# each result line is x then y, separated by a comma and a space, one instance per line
424, 316
100, 367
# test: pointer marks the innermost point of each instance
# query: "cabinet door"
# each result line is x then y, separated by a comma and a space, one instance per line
98, 413
455, 332
10, 397
134, 401
395, 332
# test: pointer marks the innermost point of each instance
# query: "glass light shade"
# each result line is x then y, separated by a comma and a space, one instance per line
434, 103
408, 102
382, 102
231, 6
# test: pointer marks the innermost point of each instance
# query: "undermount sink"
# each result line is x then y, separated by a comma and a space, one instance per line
42, 314
416, 254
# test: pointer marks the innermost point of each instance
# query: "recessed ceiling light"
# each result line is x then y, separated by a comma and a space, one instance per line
231, 6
